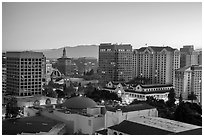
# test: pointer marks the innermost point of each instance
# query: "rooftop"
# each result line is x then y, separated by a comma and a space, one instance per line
156, 126
164, 124
133, 128
129, 108
156, 85
147, 92
79, 102
102, 132
34, 124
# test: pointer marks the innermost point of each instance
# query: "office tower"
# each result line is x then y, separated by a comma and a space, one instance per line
192, 58
64, 64
199, 51
3, 72
24, 73
115, 62
188, 79
189, 56
156, 64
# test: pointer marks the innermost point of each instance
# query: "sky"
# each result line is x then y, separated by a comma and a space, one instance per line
34, 26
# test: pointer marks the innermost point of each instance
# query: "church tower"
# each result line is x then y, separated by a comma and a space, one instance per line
64, 53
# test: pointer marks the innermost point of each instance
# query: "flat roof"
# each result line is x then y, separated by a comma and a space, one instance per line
129, 108
165, 124
33, 124
133, 128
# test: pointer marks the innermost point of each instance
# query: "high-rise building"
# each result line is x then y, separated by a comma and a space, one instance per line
156, 64
24, 73
188, 79
3, 72
189, 56
115, 62
64, 64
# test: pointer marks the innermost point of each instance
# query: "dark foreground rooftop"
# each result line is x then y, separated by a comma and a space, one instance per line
34, 124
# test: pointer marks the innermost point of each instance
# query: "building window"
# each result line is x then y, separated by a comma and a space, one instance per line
89, 122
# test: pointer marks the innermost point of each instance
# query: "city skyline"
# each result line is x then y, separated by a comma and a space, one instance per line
34, 26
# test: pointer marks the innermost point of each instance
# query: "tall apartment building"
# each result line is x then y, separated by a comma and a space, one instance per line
115, 62
156, 63
64, 64
24, 73
188, 79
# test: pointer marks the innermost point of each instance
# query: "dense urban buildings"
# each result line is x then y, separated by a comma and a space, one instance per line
188, 79
116, 103
83, 65
64, 64
115, 62
24, 73
156, 64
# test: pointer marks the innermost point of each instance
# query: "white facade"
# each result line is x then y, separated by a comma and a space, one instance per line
141, 92
188, 79
156, 63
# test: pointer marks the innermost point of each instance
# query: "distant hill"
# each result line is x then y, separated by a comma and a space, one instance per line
73, 52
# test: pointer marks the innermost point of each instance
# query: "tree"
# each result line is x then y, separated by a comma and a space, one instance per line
192, 96
48, 102
180, 99
171, 98
60, 94
188, 113
12, 110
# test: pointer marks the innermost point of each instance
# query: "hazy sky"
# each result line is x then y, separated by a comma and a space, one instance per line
54, 25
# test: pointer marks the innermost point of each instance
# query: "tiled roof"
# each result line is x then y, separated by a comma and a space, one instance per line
132, 128
158, 49
129, 108
156, 85
109, 88
142, 49
147, 92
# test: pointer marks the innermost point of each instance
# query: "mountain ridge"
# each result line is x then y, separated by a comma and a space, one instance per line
72, 52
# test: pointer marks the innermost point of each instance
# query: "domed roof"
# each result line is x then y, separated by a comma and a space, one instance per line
79, 103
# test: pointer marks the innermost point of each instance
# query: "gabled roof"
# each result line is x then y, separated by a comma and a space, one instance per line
159, 49
156, 48
129, 108
141, 49
147, 92
156, 85
132, 128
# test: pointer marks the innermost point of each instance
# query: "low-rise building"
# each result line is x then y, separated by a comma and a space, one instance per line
37, 125
82, 115
116, 115
145, 125
141, 92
